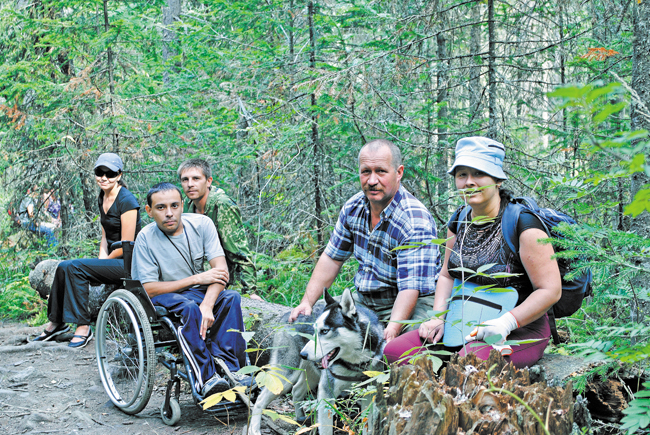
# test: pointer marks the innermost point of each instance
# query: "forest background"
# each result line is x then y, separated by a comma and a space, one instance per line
281, 95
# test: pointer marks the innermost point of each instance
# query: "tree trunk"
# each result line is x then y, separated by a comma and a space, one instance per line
170, 15
492, 128
475, 91
111, 82
640, 113
442, 100
314, 133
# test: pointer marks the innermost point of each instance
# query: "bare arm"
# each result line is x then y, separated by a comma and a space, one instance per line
434, 329
543, 273
402, 309
103, 246
216, 275
323, 276
211, 295
128, 220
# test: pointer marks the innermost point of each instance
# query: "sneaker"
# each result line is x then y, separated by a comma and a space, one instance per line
244, 380
216, 384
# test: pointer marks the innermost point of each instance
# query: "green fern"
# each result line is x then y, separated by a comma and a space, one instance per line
637, 415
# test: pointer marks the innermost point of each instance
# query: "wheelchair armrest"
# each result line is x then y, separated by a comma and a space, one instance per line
127, 254
118, 245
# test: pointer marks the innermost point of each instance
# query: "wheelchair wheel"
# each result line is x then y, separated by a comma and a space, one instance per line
126, 355
171, 418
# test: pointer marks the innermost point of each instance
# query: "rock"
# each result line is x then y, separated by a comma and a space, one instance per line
460, 400
263, 318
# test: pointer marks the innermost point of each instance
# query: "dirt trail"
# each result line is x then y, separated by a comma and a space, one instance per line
49, 388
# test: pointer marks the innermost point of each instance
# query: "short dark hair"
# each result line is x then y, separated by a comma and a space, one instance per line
374, 145
195, 163
162, 187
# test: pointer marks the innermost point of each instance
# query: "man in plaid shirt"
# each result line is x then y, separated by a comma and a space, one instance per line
396, 284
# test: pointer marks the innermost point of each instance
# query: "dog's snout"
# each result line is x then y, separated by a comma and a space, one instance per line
303, 355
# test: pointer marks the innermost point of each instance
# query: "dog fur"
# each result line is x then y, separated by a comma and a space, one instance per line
349, 340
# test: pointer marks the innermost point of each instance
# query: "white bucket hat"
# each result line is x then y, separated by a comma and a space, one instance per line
480, 153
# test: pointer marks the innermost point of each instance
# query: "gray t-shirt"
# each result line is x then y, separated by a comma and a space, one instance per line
156, 259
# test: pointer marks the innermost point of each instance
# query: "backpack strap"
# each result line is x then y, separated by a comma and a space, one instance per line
461, 216
509, 222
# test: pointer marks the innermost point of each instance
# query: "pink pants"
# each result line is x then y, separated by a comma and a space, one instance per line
523, 355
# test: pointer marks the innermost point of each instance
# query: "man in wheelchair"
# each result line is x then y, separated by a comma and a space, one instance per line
168, 260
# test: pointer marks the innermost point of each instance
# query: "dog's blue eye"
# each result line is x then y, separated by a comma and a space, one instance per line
324, 331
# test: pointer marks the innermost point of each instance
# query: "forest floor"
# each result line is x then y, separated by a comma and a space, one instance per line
49, 388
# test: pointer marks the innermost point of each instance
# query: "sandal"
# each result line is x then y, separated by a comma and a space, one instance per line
61, 329
82, 343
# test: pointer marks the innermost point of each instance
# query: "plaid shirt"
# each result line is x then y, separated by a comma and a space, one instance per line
383, 272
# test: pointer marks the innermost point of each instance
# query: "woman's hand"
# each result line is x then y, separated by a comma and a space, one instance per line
432, 330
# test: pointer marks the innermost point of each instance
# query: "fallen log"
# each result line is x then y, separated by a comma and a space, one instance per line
42, 277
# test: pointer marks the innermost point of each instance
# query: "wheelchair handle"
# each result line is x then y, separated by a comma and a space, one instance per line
127, 254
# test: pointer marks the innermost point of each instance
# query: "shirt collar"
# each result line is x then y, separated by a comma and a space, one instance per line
388, 211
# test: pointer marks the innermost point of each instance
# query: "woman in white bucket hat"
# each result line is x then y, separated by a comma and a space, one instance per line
479, 244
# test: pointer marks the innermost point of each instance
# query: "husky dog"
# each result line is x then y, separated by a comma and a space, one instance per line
347, 340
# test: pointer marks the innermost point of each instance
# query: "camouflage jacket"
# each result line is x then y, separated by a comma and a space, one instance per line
226, 216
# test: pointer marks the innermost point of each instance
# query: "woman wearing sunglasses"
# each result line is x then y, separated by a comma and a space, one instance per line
120, 218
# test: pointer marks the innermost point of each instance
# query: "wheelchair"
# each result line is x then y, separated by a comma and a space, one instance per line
132, 336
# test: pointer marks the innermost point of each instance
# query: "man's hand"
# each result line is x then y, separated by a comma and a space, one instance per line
303, 308
207, 319
432, 330
213, 276
392, 331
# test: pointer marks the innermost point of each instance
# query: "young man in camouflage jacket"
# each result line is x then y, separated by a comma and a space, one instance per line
196, 180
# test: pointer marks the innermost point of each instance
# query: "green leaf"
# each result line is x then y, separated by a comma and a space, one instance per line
485, 267
491, 339
463, 269
247, 370
640, 203
566, 92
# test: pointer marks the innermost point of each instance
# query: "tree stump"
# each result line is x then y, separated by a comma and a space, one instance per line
458, 401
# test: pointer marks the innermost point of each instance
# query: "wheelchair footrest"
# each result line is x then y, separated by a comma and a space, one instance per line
225, 409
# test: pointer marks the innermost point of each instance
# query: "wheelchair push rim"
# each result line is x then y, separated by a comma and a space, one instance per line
125, 352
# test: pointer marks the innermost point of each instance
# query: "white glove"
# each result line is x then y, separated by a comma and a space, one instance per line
502, 326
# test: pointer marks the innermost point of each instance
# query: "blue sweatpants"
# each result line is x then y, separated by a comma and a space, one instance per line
229, 346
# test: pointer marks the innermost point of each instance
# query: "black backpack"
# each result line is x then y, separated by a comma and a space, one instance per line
573, 291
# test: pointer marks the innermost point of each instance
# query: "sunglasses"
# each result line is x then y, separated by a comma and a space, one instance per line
109, 174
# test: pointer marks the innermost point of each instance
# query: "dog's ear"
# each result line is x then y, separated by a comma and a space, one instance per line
329, 300
348, 307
